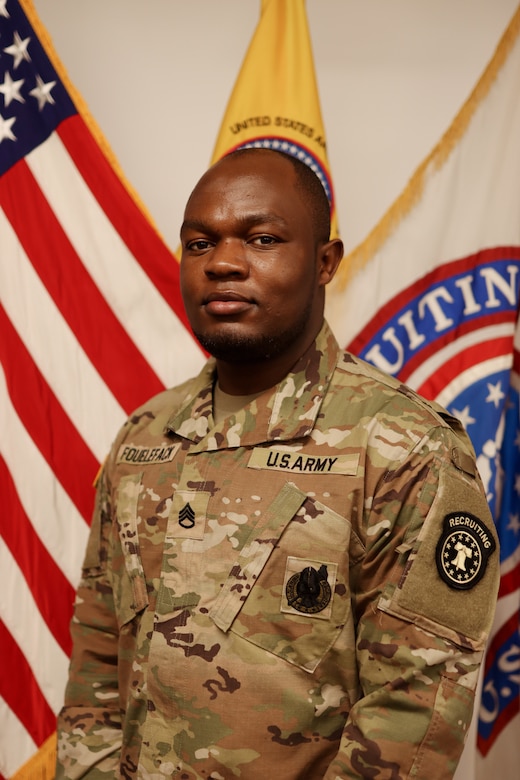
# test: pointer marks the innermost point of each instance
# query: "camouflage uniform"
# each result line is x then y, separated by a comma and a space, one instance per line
303, 591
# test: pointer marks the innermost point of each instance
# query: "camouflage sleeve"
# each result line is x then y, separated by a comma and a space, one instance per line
89, 724
424, 601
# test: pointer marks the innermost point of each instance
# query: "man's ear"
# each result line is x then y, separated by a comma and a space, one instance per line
330, 256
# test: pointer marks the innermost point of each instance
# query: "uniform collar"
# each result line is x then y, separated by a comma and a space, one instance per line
286, 412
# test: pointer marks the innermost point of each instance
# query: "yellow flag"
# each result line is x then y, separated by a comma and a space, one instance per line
275, 103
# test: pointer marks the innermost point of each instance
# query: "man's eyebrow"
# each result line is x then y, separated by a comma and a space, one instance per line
194, 224
246, 221
257, 218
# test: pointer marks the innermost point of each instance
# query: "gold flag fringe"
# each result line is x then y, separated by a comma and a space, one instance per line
83, 110
359, 257
41, 766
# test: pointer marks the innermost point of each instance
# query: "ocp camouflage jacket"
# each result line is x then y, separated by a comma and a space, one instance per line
303, 591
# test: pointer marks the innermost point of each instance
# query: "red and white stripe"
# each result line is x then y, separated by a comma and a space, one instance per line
92, 324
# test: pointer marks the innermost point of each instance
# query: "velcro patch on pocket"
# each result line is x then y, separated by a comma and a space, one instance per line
308, 587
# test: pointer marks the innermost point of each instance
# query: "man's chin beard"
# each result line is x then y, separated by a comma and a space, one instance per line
233, 348
232, 345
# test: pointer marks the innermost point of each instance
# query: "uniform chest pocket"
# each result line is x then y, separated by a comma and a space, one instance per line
129, 601
288, 592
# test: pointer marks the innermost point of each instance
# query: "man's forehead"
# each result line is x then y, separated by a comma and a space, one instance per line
259, 186
251, 185
251, 163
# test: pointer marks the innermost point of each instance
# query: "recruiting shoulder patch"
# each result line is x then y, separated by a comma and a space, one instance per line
463, 550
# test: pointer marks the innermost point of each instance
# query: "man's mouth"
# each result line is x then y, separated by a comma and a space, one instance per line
226, 303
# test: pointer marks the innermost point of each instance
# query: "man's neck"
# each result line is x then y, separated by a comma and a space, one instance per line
225, 404
256, 376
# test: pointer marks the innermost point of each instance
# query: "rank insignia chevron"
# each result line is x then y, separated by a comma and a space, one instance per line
187, 516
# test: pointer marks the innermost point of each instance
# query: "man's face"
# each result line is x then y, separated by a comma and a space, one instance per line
250, 274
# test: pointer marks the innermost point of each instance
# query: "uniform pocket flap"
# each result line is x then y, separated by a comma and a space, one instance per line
254, 556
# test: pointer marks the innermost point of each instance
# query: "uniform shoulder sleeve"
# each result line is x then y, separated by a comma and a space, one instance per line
424, 599
89, 724
450, 580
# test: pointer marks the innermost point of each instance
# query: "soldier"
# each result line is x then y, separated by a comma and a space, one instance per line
273, 584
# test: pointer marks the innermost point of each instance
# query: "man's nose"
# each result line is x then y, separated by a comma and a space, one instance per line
228, 258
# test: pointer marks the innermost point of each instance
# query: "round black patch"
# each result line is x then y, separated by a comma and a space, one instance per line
308, 590
463, 550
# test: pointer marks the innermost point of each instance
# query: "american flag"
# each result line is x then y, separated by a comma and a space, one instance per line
91, 324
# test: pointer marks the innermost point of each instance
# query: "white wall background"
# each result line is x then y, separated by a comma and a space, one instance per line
157, 74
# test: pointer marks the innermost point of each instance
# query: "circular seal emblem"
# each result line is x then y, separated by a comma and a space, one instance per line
463, 550
308, 590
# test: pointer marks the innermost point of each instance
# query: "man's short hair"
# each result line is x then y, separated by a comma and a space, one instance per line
309, 185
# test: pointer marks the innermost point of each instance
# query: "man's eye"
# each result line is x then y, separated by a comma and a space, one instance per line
199, 245
264, 240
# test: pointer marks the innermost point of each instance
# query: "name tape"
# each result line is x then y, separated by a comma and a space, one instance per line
129, 453
281, 460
